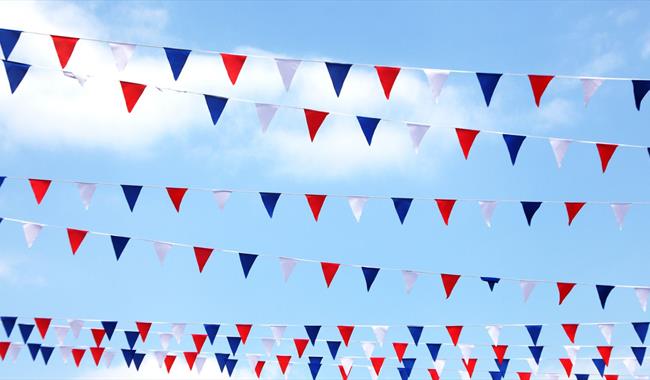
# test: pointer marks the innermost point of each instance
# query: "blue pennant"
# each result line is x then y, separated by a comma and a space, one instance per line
119, 243
177, 59
416, 333
8, 323
503, 367
536, 352
639, 353
513, 142
315, 359
314, 368
648, 151
46, 353
230, 366
247, 260
109, 328
211, 330
25, 331
338, 72
131, 193
600, 365
2, 179
233, 342
403, 373
33, 350
128, 356
641, 329
603, 293
270, 200
138, 357
370, 274
534, 331
8, 40
496, 375
131, 338
312, 333
488, 82
402, 206
15, 73
641, 88
216, 104
222, 359
582, 376
491, 281
434, 349
408, 363
530, 208
368, 126
333, 346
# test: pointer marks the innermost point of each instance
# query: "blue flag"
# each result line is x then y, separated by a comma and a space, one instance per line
230, 366
530, 208
488, 82
270, 200
247, 260
131, 193
496, 375
503, 366
368, 126
513, 142
211, 330
416, 333
639, 354
536, 352
15, 73
600, 366
177, 59
131, 338
222, 359
128, 356
119, 243
408, 363
603, 293
8, 40
312, 333
370, 274
46, 353
25, 331
216, 104
403, 373
233, 342
8, 323
434, 349
314, 368
138, 357
582, 376
641, 329
640, 88
109, 328
338, 72
2, 180
534, 331
315, 359
491, 281
33, 350
333, 346
402, 206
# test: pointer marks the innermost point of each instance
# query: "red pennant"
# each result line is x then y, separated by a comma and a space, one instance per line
143, 329
611, 377
190, 358
400, 349
202, 255
283, 361
314, 121
524, 375
4, 347
176, 195
98, 336
78, 354
97, 353
377, 363
258, 368
572, 209
466, 139
199, 341
43, 324
568, 365
243, 330
387, 76
64, 47
470, 364
233, 64
605, 353
132, 92
39, 188
570, 329
454, 333
433, 373
445, 206
344, 376
329, 271
300, 344
564, 288
346, 333
76, 237
538, 83
605, 151
315, 203
449, 282
500, 351
169, 362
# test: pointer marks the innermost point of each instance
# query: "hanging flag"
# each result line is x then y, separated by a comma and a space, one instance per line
190, 358
346, 333
605, 152
76, 237
221, 196
400, 349
500, 352
642, 295
630, 364
31, 232
98, 336
76, 326
417, 132
572, 352
8, 40
607, 329
169, 362
387, 76
416, 333
25, 331
470, 365
315, 202
534, 331
369, 274
97, 353
131, 193
132, 92
538, 84
244, 330
437, 79
86, 192
161, 250
570, 329
402, 206
39, 188
582, 376
300, 344
488, 82
560, 147
487, 210
640, 88
527, 288
178, 330
434, 350
603, 293
377, 363
119, 243
564, 288
380, 333
454, 333
333, 346
287, 69
639, 354
338, 72
572, 209
312, 332
329, 271
283, 362
64, 47
46, 353
42, 324
513, 143
409, 279
491, 281
641, 329
589, 87
530, 208
15, 73
215, 104
357, 205
449, 282
466, 350
233, 64
176, 195
233, 343
77, 355
269, 200
466, 139
122, 54
211, 331
314, 121
314, 368
445, 206
605, 353
536, 352
368, 126
620, 211
368, 348
143, 329
265, 113
9, 323
287, 265
494, 331
202, 255
177, 59
600, 366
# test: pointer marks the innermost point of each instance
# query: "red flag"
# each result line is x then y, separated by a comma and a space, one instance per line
39, 188
176, 195
611, 377
449, 282
143, 329
400, 349
568, 365
344, 375
258, 368
470, 364
97, 353
572, 209
98, 336
315, 203
64, 47
4, 347
78, 354
300, 344
199, 341
233, 64
132, 92
524, 375
605, 151
377, 363
190, 358
169, 362
42, 324
387, 76
202, 255
314, 121
433, 373
329, 271
570, 329
283, 361
445, 206
605, 353
243, 330
454, 333
76, 237
538, 83
346, 333
564, 288
466, 139
500, 351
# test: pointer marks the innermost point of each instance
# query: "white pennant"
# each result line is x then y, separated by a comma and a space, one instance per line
487, 209
200, 361
357, 205
466, 350
31, 232
221, 196
347, 365
268, 345
560, 147
14, 350
178, 329
437, 79
380, 334
409, 279
61, 333
252, 360
572, 352
417, 132
107, 357
86, 191
607, 329
642, 296
160, 357
527, 288
534, 367
278, 333
494, 331
80, 78
631, 365
265, 113
287, 264
287, 69
439, 365
66, 352
76, 325
373, 375
620, 210
464, 375
368, 348
161, 250
122, 54
165, 338
589, 87
552, 376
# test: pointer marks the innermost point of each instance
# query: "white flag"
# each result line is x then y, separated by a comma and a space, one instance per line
278, 333
527, 288
221, 196
66, 352
347, 365
200, 361
559, 147
572, 352
487, 209
31, 232
357, 205
642, 296
368, 348
14, 350
178, 329
268, 343
161, 250
287, 265
252, 360
589, 87
409, 279
76, 325
287, 69
265, 113
607, 329
417, 132
620, 210
165, 338
534, 367
631, 365
160, 357
86, 191
437, 79
439, 365
122, 54
494, 331
61, 333
380, 334
107, 357
466, 350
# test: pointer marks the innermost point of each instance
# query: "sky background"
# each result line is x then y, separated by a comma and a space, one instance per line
53, 128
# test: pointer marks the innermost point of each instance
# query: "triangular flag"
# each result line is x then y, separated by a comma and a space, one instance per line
287, 265
177, 59
269, 200
402, 206
15, 73
449, 282
641, 329
491, 281
169, 362
387, 76
46, 353
312, 332
287, 69
568, 365
338, 72
178, 330
368, 348
589, 87
466, 350
233, 343
572, 209
314, 121
98, 336
500, 352
329, 271
119, 243
176, 195
605, 353
409, 279
202, 255
31, 232
315, 202
131, 193
487, 209
564, 288
369, 274
346, 333
300, 344
640, 88
417, 132
333, 346
215, 104
122, 54
620, 211
368, 126
533, 366
76, 325
530, 208
247, 260
436, 79
244, 330
630, 364
400, 349
230, 366
494, 331
233, 64
221, 196
132, 92
283, 362
560, 147
605, 152
642, 295
357, 205
258, 368
76, 237
265, 113
86, 192
639, 354
538, 84
314, 368
416, 333
199, 341
470, 365
211, 331
42, 324
161, 250
8, 323
570, 329
143, 329
513, 143
14, 350
445, 206
607, 329
380, 333
434, 350
454, 333
97, 353
377, 363
534, 331
8, 40
160, 357
77, 355
582, 376
488, 82
603, 293
536, 352
466, 139
64, 47
572, 352
600, 365
39, 188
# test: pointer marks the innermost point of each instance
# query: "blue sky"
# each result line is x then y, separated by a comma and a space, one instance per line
52, 128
